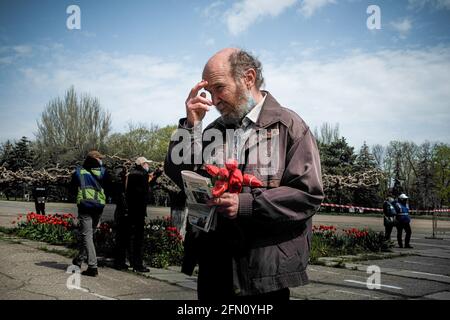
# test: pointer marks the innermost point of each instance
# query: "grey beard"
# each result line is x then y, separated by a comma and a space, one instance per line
235, 117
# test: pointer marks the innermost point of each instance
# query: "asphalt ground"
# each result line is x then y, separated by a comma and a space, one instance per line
27, 272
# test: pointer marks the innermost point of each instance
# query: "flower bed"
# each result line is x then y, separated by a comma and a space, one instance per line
162, 241
162, 245
53, 228
327, 241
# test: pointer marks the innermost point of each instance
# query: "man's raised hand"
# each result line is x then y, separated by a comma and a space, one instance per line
197, 105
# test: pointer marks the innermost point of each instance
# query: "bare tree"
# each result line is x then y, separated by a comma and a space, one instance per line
69, 127
379, 152
328, 133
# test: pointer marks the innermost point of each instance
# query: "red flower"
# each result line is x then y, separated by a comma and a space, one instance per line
212, 170
231, 164
230, 178
219, 188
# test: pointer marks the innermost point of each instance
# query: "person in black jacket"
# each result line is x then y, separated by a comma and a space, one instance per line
389, 217
40, 196
121, 219
137, 195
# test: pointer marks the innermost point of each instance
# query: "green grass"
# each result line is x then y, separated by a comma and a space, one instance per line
10, 231
66, 252
377, 215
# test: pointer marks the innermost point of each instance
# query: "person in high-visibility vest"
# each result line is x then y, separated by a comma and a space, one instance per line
403, 220
91, 184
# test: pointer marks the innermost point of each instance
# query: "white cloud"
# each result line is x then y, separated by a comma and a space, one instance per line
247, 12
436, 4
402, 26
376, 97
309, 7
22, 49
10, 54
138, 88
213, 10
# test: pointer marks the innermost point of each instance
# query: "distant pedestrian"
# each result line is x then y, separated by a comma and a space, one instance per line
403, 221
40, 197
389, 218
121, 219
91, 183
137, 195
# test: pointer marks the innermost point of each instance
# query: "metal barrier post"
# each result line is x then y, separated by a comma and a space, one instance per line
434, 226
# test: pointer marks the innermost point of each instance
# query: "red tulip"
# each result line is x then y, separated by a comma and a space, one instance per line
251, 181
235, 183
219, 188
231, 164
223, 173
212, 170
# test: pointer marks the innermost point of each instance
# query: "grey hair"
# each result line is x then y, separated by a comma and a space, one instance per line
241, 61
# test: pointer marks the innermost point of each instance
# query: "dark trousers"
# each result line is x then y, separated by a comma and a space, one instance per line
215, 283
400, 227
123, 238
130, 238
40, 207
387, 231
137, 240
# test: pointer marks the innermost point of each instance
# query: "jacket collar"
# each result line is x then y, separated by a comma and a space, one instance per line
270, 113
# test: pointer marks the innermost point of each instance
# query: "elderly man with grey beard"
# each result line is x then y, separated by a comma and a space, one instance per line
261, 241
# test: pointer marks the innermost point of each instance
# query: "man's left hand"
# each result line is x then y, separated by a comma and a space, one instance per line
227, 204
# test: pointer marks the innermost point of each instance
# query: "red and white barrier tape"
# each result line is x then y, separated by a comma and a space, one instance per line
347, 206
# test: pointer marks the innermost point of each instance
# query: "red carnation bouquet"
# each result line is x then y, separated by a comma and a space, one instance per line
230, 178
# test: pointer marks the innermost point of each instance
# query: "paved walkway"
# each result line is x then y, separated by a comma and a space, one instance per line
29, 272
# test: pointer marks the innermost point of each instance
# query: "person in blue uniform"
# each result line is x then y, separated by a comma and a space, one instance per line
403, 220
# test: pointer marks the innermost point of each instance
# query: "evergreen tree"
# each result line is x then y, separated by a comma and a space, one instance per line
365, 159
337, 157
23, 154
7, 155
397, 188
366, 196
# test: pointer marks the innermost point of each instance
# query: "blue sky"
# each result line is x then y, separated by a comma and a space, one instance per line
140, 58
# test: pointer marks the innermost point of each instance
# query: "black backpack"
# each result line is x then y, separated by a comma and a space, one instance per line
389, 209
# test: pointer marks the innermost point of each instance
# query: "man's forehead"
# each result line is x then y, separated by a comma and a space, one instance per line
217, 73
213, 68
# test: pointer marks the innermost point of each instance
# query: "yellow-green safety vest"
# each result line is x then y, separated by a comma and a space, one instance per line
90, 193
